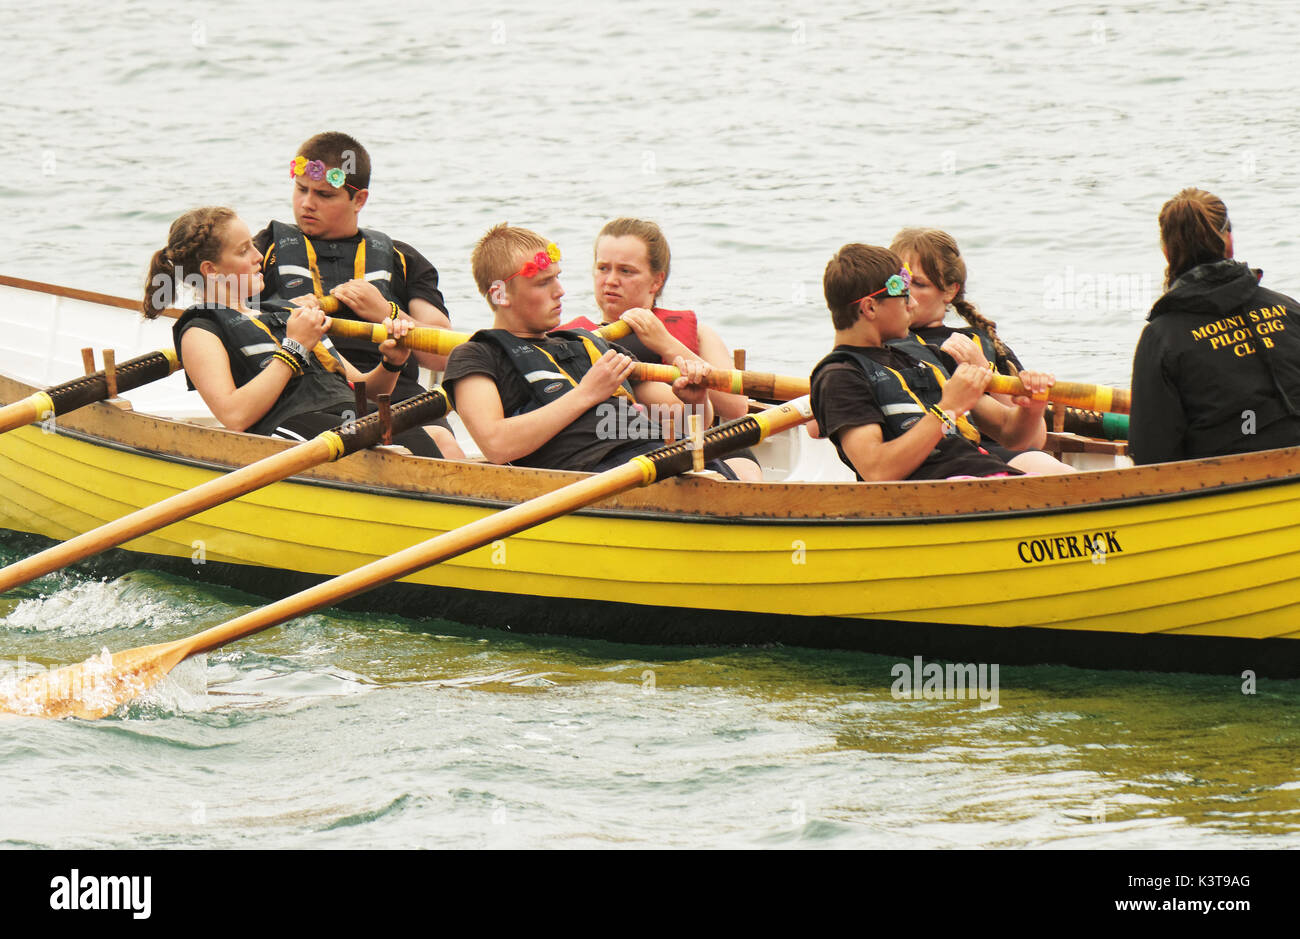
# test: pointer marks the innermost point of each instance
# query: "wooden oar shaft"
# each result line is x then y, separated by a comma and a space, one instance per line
60, 399
182, 505
94, 689
324, 448
640, 471
1071, 394
430, 339
754, 384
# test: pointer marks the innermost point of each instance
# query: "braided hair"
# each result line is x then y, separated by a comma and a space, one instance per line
936, 252
195, 237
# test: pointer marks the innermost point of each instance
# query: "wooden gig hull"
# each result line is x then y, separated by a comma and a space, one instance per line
1188, 566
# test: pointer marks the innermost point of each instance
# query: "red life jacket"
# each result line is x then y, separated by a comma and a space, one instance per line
681, 325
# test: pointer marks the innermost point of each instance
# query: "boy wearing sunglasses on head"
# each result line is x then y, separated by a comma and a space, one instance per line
894, 417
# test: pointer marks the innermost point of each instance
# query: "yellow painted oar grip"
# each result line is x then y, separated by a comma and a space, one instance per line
30, 409
1071, 394
355, 329
614, 331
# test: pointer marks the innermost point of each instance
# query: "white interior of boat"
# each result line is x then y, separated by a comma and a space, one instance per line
45, 333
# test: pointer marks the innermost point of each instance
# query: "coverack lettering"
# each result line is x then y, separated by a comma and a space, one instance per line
1064, 547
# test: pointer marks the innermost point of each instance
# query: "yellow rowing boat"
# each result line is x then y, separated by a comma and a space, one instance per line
1188, 566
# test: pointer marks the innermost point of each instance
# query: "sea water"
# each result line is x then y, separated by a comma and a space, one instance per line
762, 137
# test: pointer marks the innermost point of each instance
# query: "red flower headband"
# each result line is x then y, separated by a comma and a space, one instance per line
540, 262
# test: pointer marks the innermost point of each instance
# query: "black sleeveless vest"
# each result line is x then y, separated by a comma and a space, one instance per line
313, 265
550, 376
251, 347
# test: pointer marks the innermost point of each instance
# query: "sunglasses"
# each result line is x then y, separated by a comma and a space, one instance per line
897, 286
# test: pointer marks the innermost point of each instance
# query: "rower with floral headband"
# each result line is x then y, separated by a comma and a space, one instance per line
893, 416
374, 277
532, 395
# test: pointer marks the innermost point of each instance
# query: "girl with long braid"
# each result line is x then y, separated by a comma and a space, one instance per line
265, 371
939, 284
1217, 368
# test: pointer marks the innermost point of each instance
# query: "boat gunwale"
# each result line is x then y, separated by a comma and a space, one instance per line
676, 516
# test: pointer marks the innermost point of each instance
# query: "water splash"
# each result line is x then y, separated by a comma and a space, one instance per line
98, 606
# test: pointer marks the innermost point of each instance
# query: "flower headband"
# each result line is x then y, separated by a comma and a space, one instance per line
540, 262
898, 285
315, 169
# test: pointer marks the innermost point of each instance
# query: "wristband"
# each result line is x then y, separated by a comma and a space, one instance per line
949, 419
390, 367
295, 348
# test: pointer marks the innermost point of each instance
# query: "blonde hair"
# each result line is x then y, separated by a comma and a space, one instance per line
500, 252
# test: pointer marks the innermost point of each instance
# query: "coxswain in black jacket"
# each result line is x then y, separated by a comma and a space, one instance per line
1217, 369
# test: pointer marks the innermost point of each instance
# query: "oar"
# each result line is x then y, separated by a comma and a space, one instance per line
95, 688
60, 399
324, 448
429, 338
1092, 423
783, 387
1070, 393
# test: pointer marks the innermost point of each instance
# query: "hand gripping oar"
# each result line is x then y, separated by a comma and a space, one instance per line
60, 399
324, 448
95, 688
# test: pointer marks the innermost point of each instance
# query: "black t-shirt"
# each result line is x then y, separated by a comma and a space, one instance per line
842, 398
597, 433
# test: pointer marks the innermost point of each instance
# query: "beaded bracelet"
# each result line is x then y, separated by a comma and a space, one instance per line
289, 360
393, 307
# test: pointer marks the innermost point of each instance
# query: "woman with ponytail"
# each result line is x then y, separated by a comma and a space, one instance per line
268, 371
1217, 368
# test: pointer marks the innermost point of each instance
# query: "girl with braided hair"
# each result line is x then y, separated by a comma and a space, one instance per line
1217, 368
939, 284
269, 371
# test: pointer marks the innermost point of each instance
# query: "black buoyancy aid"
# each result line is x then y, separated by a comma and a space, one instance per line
904, 396
250, 343
985, 343
305, 265
550, 374
919, 349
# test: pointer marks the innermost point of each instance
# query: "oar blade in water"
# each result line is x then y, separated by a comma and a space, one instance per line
94, 688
